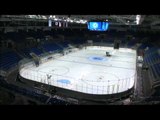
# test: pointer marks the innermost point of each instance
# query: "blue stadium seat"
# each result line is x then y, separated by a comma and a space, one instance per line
8, 60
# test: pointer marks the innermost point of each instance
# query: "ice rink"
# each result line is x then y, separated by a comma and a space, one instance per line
87, 70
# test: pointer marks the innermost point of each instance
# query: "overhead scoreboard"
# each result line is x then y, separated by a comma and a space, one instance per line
97, 26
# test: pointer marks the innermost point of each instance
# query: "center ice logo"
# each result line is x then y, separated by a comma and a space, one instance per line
95, 25
97, 58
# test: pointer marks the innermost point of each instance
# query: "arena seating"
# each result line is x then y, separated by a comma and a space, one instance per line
36, 51
156, 70
58, 102
50, 47
131, 43
152, 59
64, 44
17, 37
145, 45
8, 60
25, 52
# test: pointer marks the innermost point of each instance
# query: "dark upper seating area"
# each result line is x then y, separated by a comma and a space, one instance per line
131, 43
145, 45
8, 60
15, 36
152, 59
50, 47
36, 51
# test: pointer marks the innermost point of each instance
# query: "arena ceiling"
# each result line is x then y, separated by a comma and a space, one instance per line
145, 20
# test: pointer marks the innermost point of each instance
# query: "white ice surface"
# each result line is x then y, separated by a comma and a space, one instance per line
113, 75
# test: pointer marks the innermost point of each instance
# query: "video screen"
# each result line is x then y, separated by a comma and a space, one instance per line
97, 26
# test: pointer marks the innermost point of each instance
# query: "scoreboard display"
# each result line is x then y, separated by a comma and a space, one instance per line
97, 26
